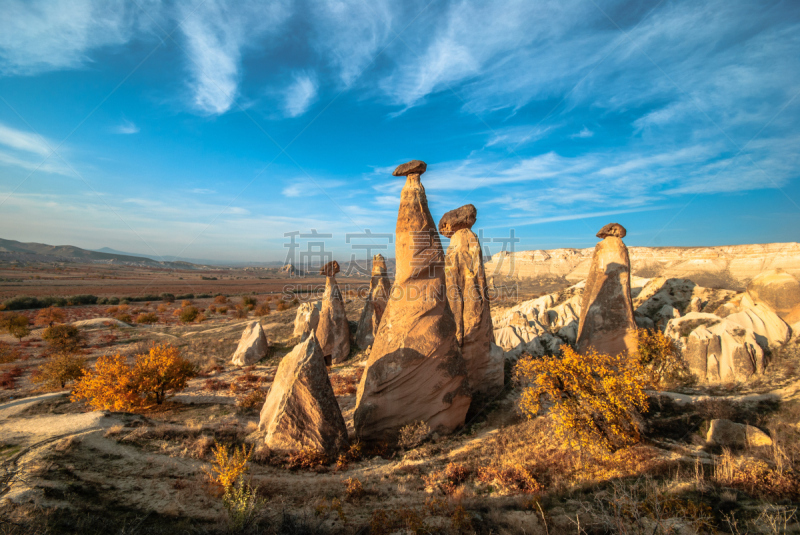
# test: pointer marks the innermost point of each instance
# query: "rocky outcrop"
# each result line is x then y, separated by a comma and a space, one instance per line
718, 350
415, 370
779, 291
306, 320
730, 434
333, 331
252, 346
301, 410
379, 290
607, 323
468, 296
770, 330
736, 263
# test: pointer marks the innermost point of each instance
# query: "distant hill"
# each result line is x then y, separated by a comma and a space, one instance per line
67, 251
41, 252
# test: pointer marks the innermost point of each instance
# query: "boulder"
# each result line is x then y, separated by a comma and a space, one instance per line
778, 290
468, 297
606, 322
306, 320
730, 434
458, 219
301, 410
379, 289
415, 370
414, 167
333, 331
252, 345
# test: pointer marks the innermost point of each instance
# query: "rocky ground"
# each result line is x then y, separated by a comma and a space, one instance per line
66, 469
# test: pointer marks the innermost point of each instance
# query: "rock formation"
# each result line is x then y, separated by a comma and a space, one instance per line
738, 263
306, 320
730, 434
779, 291
333, 331
379, 289
468, 296
301, 410
415, 371
717, 350
607, 323
252, 346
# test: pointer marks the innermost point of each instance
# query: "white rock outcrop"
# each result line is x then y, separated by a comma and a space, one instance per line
307, 319
740, 262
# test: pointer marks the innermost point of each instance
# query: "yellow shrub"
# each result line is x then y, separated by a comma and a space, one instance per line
110, 386
227, 467
114, 385
595, 397
160, 371
662, 361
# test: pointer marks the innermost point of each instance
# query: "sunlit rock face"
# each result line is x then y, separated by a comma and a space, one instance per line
415, 370
607, 324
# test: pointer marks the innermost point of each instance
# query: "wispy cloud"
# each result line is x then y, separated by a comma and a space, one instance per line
30, 152
24, 141
300, 94
349, 33
42, 35
126, 127
216, 32
304, 187
585, 133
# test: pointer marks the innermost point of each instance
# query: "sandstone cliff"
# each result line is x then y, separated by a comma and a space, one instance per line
733, 263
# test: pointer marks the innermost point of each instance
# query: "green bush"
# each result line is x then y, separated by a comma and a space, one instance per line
15, 324
189, 314
147, 318
63, 338
168, 297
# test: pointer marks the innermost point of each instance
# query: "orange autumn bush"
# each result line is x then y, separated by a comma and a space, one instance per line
595, 398
110, 386
115, 385
48, 316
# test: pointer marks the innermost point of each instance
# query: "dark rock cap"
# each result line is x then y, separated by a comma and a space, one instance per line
612, 229
414, 167
457, 219
330, 269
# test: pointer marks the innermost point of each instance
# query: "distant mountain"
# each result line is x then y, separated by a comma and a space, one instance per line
40, 252
67, 251
203, 261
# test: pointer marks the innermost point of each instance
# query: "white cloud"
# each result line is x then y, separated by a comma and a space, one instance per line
42, 35
216, 33
350, 33
24, 141
126, 127
294, 190
585, 133
300, 94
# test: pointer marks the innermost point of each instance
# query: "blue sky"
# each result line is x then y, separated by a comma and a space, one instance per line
208, 129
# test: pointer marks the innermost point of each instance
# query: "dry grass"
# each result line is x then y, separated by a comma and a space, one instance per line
345, 383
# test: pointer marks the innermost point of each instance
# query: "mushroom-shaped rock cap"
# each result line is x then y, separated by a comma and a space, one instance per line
612, 229
330, 269
414, 167
457, 219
